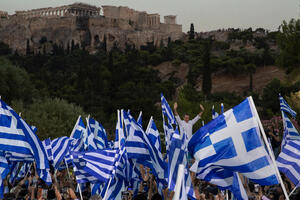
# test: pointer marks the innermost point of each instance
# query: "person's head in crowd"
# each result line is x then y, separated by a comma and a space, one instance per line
96, 197
156, 197
51, 194
9, 196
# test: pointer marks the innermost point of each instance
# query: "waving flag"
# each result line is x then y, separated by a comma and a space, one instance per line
17, 136
100, 137
153, 134
288, 161
120, 135
90, 139
169, 122
4, 170
78, 129
178, 155
284, 106
47, 146
139, 147
233, 141
60, 148
290, 132
99, 164
223, 178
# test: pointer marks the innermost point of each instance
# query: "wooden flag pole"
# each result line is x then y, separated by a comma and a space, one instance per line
268, 147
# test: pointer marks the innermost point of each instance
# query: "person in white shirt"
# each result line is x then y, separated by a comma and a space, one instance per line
186, 124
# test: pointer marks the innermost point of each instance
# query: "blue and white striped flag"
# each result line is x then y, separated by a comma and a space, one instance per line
290, 132
233, 141
153, 134
214, 113
17, 136
288, 161
18, 157
99, 134
284, 106
79, 129
178, 155
4, 170
167, 111
47, 146
78, 166
139, 147
223, 178
90, 139
99, 164
60, 148
120, 135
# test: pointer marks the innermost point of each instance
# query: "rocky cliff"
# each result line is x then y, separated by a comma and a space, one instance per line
17, 31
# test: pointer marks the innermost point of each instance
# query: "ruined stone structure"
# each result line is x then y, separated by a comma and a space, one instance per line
82, 24
76, 9
3, 14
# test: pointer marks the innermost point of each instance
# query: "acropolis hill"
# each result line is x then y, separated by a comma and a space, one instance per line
84, 25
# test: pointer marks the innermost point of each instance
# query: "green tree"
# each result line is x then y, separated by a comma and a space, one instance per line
251, 68
207, 81
52, 117
192, 32
289, 44
15, 82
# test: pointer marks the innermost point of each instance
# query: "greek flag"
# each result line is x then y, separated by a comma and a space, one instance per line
60, 148
18, 157
120, 135
167, 124
232, 141
178, 155
139, 119
223, 178
214, 113
78, 166
153, 134
17, 136
90, 139
76, 145
139, 147
47, 146
284, 106
99, 164
115, 189
14, 168
4, 170
167, 111
288, 161
99, 133
290, 132
78, 129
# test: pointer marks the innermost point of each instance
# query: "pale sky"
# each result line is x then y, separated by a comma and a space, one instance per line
205, 14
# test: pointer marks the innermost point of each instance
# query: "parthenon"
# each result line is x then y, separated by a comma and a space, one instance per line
76, 9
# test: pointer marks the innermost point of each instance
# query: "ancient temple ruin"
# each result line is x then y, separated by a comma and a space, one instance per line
76, 9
